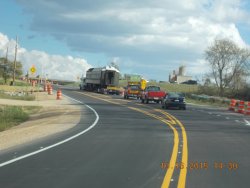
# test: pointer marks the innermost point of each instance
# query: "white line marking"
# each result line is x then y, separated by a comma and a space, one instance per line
218, 115
58, 143
227, 118
247, 122
237, 121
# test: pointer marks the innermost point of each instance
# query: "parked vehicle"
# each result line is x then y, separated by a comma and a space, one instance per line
173, 99
152, 93
190, 82
99, 79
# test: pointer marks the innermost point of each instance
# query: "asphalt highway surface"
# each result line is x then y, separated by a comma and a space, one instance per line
124, 143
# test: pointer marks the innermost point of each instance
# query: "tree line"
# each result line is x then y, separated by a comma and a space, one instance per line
229, 69
7, 69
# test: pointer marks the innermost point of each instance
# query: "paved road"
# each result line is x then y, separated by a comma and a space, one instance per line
135, 145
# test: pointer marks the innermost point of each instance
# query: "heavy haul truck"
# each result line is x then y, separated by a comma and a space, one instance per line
102, 80
134, 89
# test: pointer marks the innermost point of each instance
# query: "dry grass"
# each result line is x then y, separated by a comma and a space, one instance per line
13, 115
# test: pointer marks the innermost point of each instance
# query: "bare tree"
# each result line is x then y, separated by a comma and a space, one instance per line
228, 62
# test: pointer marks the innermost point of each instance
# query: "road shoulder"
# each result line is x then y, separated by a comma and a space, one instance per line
55, 116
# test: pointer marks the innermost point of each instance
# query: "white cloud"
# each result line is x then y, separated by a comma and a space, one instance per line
159, 31
55, 66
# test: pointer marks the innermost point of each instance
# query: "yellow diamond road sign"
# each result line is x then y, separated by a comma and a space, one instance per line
32, 70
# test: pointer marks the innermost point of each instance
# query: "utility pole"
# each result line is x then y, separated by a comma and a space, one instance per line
6, 58
5, 66
14, 68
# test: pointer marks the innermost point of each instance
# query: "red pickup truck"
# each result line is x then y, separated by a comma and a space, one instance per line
152, 93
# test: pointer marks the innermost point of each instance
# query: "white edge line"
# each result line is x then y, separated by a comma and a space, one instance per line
58, 143
247, 122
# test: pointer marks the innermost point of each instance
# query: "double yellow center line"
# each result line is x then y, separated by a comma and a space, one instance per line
184, 158
172, 122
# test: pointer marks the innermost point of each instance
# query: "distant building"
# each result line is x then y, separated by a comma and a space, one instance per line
179, 77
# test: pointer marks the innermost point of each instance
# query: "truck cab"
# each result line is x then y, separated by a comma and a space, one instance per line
132, 90
152, 93
82, 84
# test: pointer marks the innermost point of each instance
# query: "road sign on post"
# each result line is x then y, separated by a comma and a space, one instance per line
33, 69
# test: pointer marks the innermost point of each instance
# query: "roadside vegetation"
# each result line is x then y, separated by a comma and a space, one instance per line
13, 115
22, 96
20, 91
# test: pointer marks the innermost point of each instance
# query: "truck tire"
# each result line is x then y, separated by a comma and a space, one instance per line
147, 101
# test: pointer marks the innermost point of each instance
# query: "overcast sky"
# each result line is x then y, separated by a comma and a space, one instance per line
150, 37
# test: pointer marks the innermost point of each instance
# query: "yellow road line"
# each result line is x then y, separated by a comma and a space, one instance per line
168, 115
99, 98
183, 171
152, 115
172, 163
170, 170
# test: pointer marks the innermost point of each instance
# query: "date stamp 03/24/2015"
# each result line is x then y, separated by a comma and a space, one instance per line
197, 165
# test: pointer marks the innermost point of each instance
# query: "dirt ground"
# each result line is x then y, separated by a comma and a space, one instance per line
54, 117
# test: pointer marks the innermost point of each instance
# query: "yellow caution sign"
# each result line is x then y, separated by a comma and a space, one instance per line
33, 70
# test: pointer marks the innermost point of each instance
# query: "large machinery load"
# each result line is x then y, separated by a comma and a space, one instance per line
99, 79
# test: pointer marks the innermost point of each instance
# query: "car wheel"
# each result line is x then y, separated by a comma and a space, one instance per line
142, 101
147, 101
162, 106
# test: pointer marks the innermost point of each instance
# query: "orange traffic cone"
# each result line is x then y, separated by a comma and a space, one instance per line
248, 109
50, 90
241, 107
232, 105
59, 94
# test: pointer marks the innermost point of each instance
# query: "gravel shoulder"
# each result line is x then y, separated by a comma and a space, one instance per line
55, 116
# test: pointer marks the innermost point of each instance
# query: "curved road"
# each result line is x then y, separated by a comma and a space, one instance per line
135, 145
